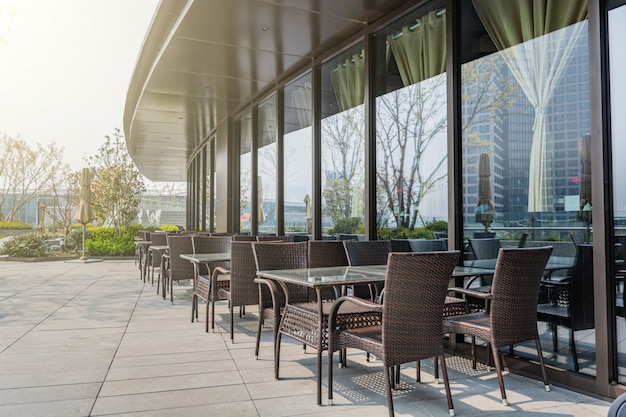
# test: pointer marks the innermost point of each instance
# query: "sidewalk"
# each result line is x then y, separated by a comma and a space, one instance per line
93, 340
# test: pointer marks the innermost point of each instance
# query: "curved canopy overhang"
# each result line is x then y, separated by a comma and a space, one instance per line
204, 60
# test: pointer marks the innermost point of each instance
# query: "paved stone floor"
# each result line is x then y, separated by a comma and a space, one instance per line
91, 339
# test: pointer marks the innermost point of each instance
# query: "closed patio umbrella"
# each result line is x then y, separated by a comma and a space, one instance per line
485, 210
41, 217
585, 184
84, 213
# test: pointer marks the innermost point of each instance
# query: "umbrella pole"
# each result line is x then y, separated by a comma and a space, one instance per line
84, 257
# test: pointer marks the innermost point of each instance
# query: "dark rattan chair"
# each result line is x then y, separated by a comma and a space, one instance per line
207, 283
411, 326
426, 245
157, 239
570, 300
368, 252
324, 253
243, 290
511, 316
277, 255
179, 269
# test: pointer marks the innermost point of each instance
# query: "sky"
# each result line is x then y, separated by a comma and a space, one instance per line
65, 68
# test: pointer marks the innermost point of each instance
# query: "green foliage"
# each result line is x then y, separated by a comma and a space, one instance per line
345, 225
110, 246
27, 245
74, 238
116, 191
15, 225
437, 226
405, 233
169, 228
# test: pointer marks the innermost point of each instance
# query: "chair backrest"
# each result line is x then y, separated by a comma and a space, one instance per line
367, 252
484, 248
180, 269
515, 292
415, 291
243, 289
522, 240
581, 299
211, 244
158, 238
348, 236
244, 238
283, 255
327, 253
274, 238
426, 245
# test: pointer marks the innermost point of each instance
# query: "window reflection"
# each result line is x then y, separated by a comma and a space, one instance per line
343, 143
525, 104
266, 210
245, 172
298, 156
411, 126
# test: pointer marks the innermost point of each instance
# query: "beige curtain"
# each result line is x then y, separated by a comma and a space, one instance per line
302, 100
420, 49
348, 79
535, 38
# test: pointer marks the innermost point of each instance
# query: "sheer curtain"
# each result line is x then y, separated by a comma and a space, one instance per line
302, 100
347, 79
535, 38
420, 49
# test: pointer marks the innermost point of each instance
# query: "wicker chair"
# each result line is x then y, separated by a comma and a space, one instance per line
179, 269
243, 290
426, 245
369, 252
270, 256
157, 239
411, 326
207, 282
274, 238
511, 316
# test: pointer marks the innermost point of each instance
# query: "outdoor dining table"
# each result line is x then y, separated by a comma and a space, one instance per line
317, 279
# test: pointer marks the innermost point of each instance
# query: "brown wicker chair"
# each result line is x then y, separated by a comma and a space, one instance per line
243, 290
323, 253
368, 252
270, 256
511, 313
207, 283
179, 269
412, 324
157, 239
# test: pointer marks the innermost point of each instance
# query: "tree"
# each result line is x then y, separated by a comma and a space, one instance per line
25, 173
117, 185
62, 197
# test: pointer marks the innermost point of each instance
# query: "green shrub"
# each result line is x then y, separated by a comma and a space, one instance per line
27, 245
15, 226
345, 225
111, 246
74, 240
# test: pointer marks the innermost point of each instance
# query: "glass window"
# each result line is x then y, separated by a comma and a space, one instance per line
411, 125
617, 60
343, 142
245, 174
298, 156
266, 211
529, 71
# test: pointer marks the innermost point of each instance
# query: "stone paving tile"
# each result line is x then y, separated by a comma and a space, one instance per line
93, 340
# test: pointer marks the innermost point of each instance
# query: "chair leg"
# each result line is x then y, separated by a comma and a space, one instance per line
319, 376
574, 353
542, 364
418, 371
206, 316
232, 324
330, 374
212, 300
258, 336
388, 382
194, 305
172, 291
446, 382
473, 350
277, 355
498, 365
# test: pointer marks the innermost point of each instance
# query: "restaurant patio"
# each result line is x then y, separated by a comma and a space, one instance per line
83, 339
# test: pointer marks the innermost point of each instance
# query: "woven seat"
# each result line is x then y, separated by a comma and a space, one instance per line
511, 313
412, 324
207, 282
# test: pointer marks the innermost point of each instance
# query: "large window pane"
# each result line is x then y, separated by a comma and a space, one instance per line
411, 125
245, 174
266, 211
526, 153
617, 33
343, 143
298, 155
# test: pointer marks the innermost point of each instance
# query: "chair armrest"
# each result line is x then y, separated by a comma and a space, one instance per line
275, 292
369, 305
219, 270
